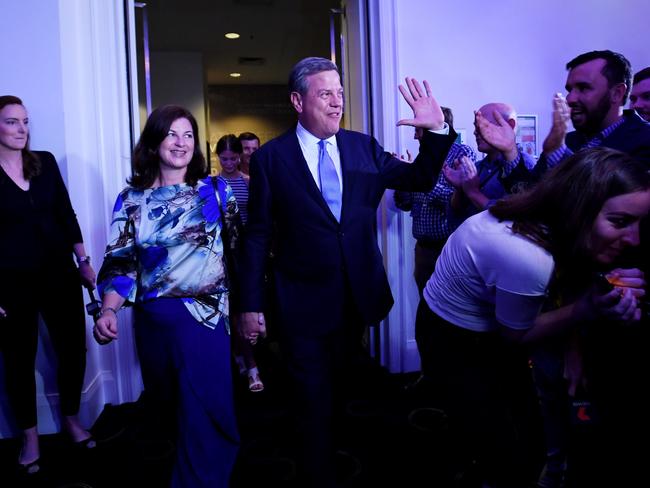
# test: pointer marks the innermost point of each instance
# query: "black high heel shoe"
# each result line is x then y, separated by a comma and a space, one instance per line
29, 469
89, 443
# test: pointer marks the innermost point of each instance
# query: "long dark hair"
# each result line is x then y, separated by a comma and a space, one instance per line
146, 160
559, 212
31, 163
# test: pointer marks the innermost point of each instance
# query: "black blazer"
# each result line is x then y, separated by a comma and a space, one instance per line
317, 258
38, 226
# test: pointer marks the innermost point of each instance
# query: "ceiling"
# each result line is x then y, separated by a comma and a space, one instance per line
275, 34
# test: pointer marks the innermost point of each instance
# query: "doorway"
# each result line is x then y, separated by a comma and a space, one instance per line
228, 61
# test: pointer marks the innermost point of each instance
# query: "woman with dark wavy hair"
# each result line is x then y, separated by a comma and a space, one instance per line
483, 302
39, 236
172, 236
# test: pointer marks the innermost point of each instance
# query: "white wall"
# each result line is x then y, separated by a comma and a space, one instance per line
32, 68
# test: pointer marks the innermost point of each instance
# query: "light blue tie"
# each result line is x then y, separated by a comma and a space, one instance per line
329, 180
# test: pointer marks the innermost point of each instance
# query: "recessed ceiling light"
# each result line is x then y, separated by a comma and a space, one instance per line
232, 35
235, 75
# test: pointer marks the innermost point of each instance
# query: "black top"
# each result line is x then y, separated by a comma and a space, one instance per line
37, 227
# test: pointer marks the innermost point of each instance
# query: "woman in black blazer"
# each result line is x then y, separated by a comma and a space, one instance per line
39, 235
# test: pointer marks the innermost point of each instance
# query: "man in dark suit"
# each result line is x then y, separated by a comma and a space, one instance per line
317, 188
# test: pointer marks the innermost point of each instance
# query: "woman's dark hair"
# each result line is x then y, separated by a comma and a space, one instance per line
146, 160
31, 163
229, 142
558, 213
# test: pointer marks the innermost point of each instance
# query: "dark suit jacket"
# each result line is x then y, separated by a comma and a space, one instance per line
631, 137
317, 258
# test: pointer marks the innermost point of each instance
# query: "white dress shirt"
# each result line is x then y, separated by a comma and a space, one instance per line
309, 146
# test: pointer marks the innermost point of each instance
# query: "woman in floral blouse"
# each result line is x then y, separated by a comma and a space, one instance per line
172, 235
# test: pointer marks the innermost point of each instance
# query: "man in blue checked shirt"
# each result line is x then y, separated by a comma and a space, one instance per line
429, 212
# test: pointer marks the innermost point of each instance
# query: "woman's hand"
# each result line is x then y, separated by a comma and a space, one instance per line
105, 329
252, 326
619, 305
87, 274
628, 278
3, 314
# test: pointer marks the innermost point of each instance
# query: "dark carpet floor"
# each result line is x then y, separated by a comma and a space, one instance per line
391, 435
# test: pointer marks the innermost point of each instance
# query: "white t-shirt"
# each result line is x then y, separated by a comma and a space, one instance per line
486, 275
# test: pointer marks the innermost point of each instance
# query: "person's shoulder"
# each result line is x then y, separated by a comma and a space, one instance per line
45, 156
352, 135
46, 159
130, 193
634, 121
276, 145
497, 238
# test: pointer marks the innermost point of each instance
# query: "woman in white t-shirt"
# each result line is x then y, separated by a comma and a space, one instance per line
483, 301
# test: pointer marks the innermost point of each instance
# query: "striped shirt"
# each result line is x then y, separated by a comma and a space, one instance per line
240, 189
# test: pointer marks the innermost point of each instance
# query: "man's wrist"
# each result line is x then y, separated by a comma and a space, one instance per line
442, 129
511, 155
83, 260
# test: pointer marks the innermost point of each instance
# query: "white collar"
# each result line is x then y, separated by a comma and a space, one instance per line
309, 140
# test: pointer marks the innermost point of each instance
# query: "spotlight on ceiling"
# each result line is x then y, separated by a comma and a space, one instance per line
235, 75
232, 35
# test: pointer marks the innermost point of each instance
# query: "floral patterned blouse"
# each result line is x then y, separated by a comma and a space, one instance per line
173, 241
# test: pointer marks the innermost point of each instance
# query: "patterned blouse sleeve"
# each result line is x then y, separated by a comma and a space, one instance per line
119, 269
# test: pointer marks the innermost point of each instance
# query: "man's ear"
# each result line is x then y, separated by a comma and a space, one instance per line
617, 93
296, 101
512, 123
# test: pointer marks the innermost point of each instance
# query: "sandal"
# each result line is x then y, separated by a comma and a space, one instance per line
254, 381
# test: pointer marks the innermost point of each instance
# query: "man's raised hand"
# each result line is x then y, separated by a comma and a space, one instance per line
426, 111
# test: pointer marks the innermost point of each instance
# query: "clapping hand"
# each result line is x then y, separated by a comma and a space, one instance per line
559, 128
461, 172
499, 135
426, 111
